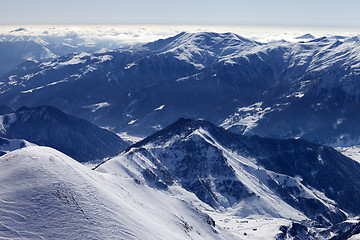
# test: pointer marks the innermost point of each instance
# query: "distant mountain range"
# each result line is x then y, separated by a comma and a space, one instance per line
20, 45
278, 89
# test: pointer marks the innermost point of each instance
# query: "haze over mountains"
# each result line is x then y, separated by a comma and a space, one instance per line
197, 100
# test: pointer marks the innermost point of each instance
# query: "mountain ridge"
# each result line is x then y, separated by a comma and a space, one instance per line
204, 75
50, 126
214, 164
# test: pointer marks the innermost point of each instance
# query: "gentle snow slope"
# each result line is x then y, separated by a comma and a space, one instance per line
46, 195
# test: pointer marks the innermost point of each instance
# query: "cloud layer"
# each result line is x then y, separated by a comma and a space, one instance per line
133, 35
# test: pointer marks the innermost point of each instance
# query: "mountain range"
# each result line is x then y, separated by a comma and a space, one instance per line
191, 180
23, 44
237, 140
277, 89
223, 168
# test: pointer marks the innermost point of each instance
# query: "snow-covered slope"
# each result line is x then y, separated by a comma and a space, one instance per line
45, 195
48, 126
191, 180
203, 49
351, 152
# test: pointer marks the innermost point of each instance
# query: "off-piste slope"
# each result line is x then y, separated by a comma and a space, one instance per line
45, 195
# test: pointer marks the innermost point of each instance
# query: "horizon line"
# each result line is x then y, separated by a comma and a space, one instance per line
234, 26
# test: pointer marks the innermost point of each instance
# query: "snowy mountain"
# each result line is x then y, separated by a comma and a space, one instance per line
203, 49
277, 89
14, 53
132, 90
36, 44
49, 195
191, 180
316, 100
48, 126
62, 40
249, 177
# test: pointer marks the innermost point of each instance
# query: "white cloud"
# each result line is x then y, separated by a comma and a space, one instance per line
132, 34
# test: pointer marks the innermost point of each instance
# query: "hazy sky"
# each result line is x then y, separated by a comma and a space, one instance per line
288, 13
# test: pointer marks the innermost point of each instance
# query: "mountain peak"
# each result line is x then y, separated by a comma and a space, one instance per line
201, 40
42, 113
306, 36
42, 108
182, 127
49, 126
202, 47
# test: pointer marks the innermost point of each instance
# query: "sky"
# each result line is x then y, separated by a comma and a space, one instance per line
279, 13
